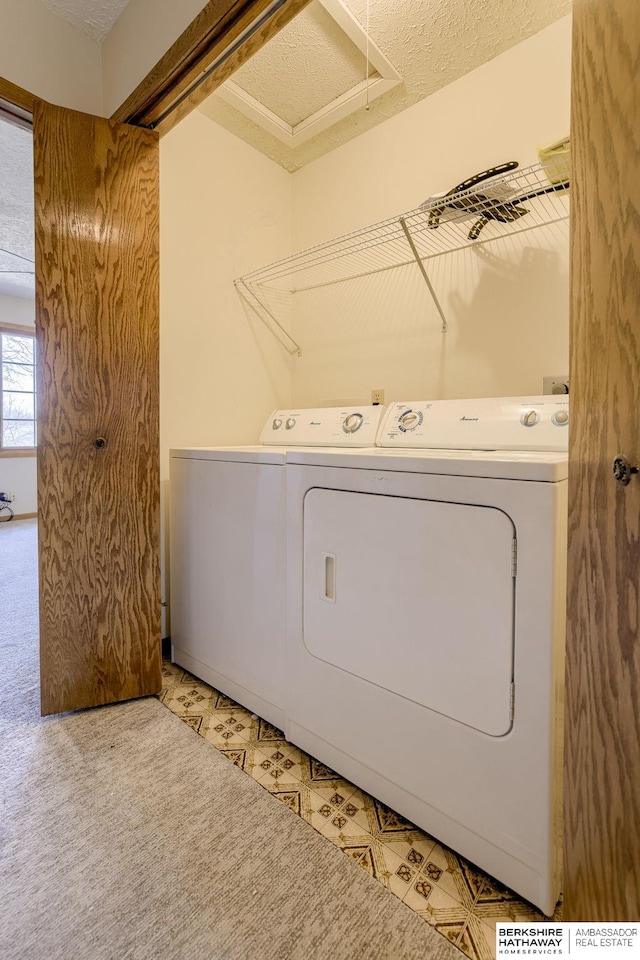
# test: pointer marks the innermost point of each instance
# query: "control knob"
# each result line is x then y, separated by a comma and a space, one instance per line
277, 423
560, 418
290, 423
409, 420
352, 422
530, 418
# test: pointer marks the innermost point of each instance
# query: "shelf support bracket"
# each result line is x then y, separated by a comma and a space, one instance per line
249, 297
424, 273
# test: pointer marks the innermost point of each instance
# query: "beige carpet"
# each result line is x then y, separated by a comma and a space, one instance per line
126, 836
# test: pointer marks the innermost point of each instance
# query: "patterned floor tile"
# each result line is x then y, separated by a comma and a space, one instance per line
288, 763
386, 823
349, 801
194, 722
489, 933
474, 941
316, 775
189, 698
222, 735
237, 755
331, 822
428, 898
415, 849
496, 903
391, 870
292, 798
447, 891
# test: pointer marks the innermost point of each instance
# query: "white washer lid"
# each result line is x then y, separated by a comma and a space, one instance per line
249, 454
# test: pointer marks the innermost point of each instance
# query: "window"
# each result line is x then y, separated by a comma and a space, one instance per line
17, 390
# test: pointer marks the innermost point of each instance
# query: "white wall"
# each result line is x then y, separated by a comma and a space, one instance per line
223, 206
143, 32
18, 474
47, 56
508, 312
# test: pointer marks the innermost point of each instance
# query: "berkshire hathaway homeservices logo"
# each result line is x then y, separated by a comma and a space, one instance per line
576, 940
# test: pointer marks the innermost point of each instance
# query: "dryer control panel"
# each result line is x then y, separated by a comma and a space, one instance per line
324, 427
486, 423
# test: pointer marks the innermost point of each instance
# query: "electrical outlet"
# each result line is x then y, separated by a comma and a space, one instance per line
555, 385
377, 397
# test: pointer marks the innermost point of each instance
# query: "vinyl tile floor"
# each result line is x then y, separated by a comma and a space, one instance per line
451, 894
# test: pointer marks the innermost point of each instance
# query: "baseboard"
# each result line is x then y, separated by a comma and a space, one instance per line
24, 516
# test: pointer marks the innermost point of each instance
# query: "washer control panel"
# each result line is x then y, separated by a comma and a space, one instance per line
487, 423
324, 427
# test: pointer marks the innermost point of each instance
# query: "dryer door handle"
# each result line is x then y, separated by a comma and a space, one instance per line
328, 577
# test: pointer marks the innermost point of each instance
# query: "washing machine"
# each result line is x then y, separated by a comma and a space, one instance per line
227, 551
425, 625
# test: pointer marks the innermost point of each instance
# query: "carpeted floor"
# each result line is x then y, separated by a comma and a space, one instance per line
123, 836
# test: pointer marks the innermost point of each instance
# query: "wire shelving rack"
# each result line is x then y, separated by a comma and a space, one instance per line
512, 204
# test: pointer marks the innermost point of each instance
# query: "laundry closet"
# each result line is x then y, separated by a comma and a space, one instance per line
489, 320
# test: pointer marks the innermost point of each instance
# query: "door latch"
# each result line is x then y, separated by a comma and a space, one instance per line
623, 471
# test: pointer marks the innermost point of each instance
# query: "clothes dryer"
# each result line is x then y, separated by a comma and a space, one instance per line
227, 547
425, 634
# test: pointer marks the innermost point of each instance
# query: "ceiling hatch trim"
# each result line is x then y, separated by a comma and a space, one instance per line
386, 78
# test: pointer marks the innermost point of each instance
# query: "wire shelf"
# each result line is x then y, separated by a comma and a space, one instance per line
504, 206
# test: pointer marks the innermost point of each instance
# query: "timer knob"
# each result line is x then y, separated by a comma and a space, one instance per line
561, 418
530, 418
277, 423
409, 420
352, 423
290, 423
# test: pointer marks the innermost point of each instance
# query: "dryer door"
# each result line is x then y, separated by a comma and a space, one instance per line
415, 596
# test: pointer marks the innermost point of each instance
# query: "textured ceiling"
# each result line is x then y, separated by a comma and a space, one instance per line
429, 42
16, 210
288, 81
94, 17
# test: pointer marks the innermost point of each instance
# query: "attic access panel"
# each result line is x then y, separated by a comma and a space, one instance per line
326, 49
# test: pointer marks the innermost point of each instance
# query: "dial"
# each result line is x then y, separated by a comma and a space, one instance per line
529, 418
410, 419
276, 424
290, 423
561, 418
352, 423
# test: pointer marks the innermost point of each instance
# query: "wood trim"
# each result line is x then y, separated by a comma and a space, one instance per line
19, 452
602, 713
27, 330
24, 516
215, 28
14, 96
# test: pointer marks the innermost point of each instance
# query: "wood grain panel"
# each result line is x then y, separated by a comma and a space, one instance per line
213, 30
602, 765
96, 192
